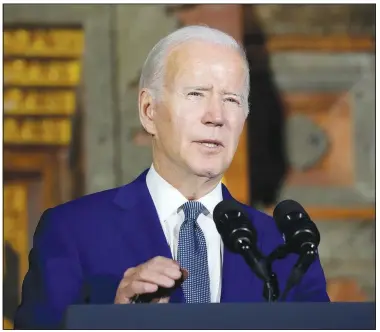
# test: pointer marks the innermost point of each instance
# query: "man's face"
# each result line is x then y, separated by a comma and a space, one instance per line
200, 115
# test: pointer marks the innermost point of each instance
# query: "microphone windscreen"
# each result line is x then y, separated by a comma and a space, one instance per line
226, 206
285, 207
295, 224
233, 224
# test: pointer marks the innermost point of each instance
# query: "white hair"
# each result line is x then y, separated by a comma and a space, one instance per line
153, 70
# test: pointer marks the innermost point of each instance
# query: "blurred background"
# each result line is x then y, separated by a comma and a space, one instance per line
71, 125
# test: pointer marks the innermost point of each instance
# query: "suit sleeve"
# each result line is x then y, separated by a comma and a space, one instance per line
313, 286
54, 277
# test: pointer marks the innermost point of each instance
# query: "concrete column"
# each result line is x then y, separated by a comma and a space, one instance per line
137, 29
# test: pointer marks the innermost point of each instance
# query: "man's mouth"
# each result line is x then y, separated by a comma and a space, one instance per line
210, 143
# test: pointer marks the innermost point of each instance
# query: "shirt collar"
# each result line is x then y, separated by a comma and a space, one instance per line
168, 199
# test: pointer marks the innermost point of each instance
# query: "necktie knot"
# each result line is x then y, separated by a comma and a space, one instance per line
192, 210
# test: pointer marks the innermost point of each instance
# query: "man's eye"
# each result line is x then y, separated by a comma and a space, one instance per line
232, 100
195, 93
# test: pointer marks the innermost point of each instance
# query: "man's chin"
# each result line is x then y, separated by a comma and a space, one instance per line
210, 172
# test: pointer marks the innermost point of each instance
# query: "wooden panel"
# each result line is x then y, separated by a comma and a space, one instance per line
236, 177
43, 163
333, 43
32, 185
345, 290
322, 213
331, 111
22, 170
258, 51
15, 245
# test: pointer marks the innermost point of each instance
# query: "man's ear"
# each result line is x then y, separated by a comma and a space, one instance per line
147, 111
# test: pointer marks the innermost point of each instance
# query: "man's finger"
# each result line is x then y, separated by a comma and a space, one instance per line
162, 262
138, 287
157, 278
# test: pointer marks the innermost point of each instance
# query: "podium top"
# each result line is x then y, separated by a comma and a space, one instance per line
336, 316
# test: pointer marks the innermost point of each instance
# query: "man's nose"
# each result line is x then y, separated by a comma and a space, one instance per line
213, 115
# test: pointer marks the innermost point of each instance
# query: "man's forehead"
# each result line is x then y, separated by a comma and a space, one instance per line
183, 59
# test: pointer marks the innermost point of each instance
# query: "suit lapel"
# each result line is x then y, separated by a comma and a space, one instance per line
239, 284
140, 223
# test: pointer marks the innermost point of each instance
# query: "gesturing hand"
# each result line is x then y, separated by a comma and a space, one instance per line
148, 278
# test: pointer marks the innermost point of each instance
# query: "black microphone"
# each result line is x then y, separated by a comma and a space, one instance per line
239, 236
301, 237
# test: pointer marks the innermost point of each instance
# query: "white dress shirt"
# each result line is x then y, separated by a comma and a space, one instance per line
167, 200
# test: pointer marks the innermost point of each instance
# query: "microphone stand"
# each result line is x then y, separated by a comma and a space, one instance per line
271, 289
261, 269
279, 253
307, 256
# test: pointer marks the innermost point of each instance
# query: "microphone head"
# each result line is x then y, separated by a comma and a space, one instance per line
296, 226
233, 225
287, 206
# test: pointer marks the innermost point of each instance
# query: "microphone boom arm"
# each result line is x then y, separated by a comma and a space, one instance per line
261, 269
308, 255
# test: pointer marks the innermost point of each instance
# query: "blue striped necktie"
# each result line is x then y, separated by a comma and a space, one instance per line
192, 255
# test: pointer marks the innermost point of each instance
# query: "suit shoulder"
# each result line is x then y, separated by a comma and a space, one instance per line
101, 199
91, 201
70, 213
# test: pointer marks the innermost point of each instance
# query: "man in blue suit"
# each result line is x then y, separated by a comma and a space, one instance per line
157, 232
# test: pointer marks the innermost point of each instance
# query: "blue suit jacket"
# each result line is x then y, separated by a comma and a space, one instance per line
82, 248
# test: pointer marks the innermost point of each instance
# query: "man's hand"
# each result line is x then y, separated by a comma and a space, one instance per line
147, 278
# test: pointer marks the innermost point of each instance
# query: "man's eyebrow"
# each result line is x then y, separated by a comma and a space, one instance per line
210, 87
225, 92
199, 87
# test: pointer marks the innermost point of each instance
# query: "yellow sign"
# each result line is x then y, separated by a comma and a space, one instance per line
35, 73
33, 131
36, 102
44, 42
